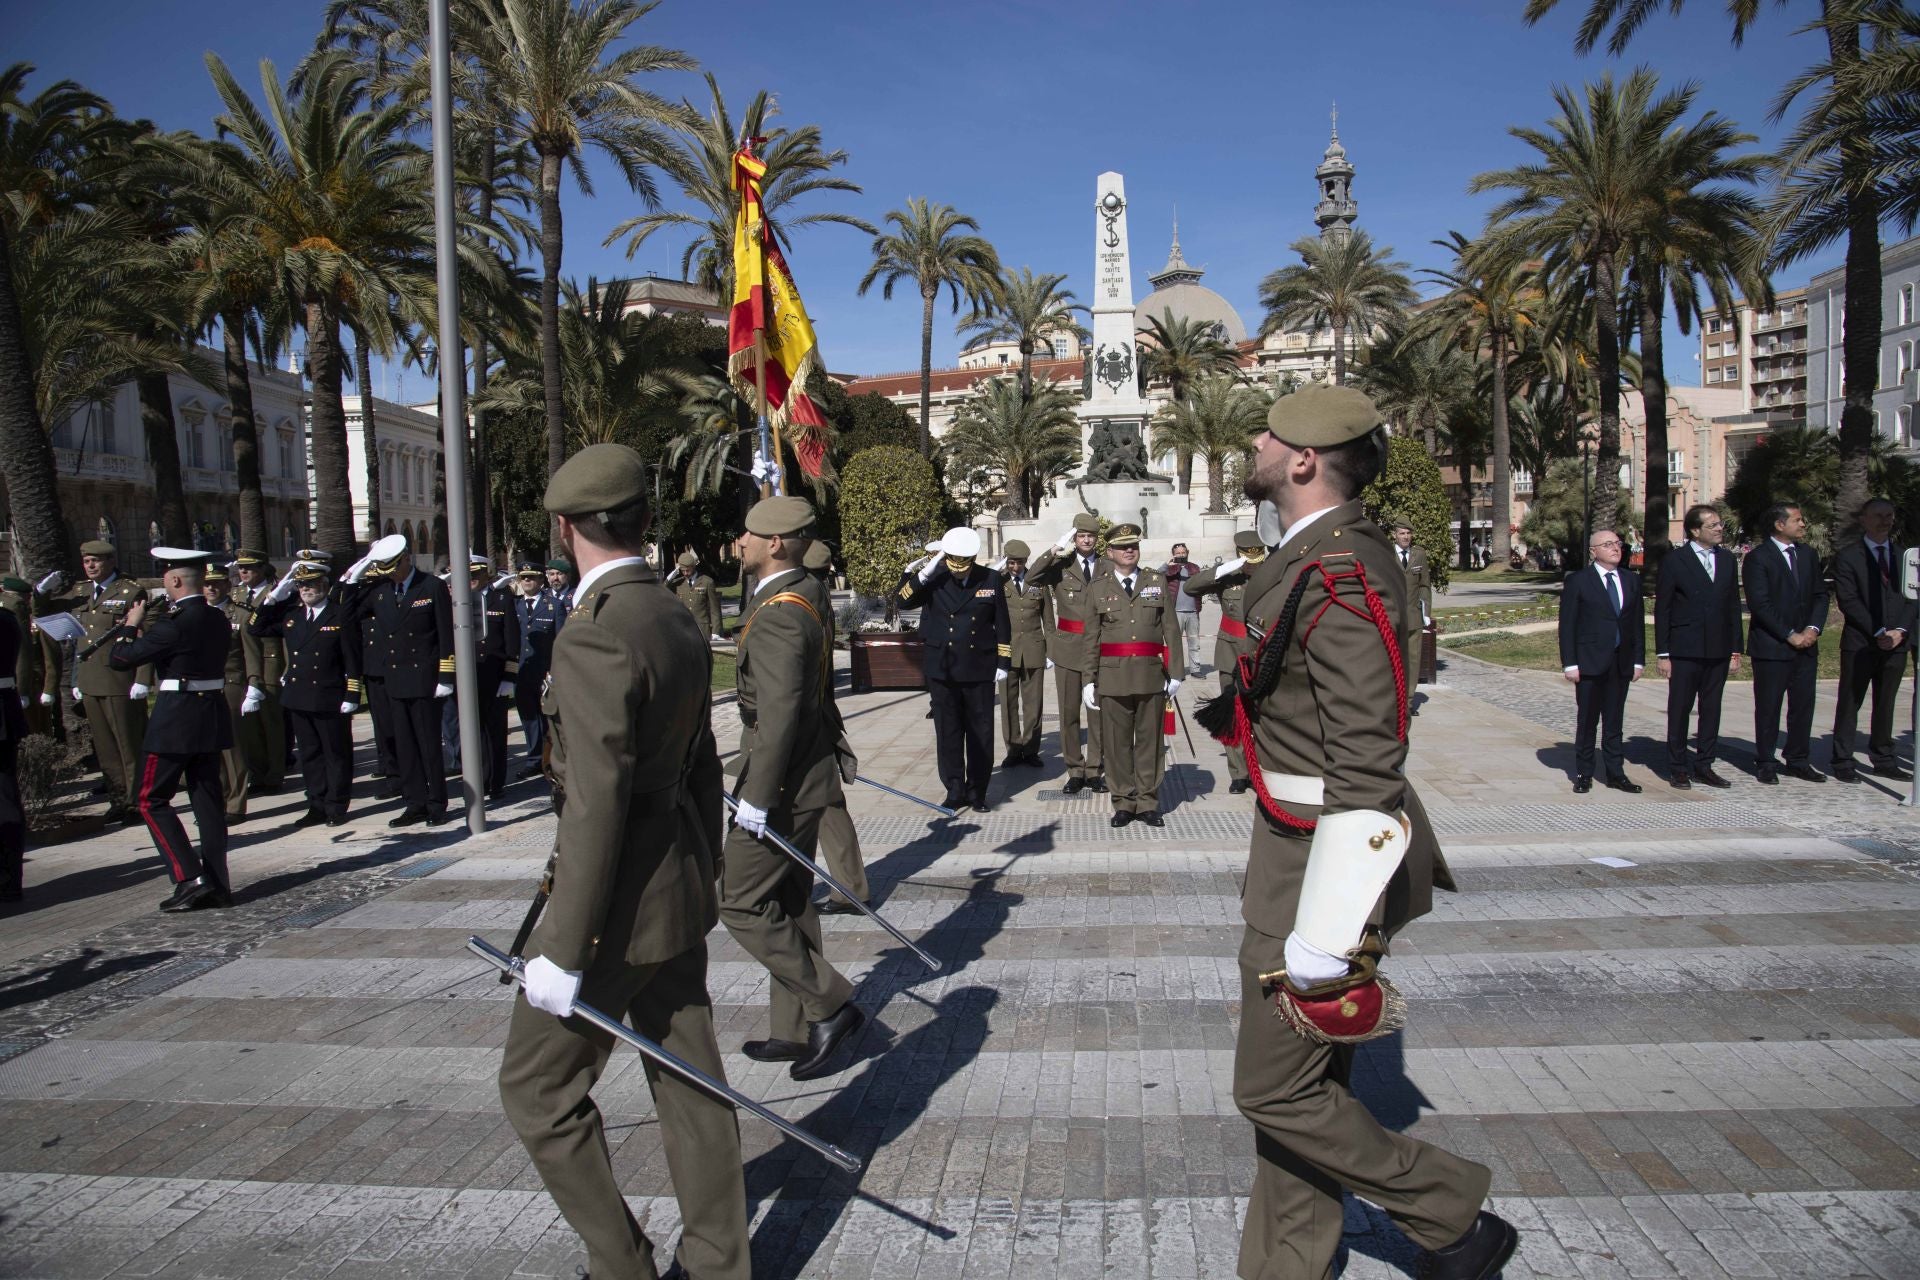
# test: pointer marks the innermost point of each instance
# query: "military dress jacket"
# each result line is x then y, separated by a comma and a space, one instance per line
963, 621
238, 617
539, 615
820, 595
96, 677
32, 674
701, 595
323, 654
636, 852
1067, 642
1125, 628
788, 735
263, 659
1232, 640
188, 645
1332, 716
497, 638
414, 633
1030, 619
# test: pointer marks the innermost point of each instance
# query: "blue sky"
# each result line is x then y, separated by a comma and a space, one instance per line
1008, 109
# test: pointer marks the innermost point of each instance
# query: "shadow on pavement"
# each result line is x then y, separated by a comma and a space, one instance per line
82, 970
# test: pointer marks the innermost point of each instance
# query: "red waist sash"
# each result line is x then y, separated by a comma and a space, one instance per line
1134, 649
1234, 628
1071, 627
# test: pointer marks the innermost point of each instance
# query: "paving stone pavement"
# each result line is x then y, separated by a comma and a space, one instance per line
1702, 1063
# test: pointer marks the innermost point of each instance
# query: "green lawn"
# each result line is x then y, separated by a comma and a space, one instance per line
1483, 617
724, 668
1540, 651
1518, 576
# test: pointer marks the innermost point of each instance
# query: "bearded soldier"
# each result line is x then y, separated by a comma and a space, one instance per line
1029, 619
1134, 633
1069, 569
1228, 580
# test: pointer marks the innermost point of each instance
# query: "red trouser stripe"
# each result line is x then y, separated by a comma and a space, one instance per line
146, 815
1231, 627
1134, 649
1069, 626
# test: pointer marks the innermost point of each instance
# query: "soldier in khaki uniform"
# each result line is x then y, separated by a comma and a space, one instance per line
115, 702
1022, 695
36, 672
1228, 580
1413, 563
789, 775
839, 840
215, 585
262, 730
632, 893
698, 592
1069, 569
1135, 636
1330, 733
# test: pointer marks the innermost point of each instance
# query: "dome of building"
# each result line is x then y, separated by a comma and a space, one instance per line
1177, 288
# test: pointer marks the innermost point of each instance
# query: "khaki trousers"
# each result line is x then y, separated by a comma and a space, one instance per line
233, 761
546, 1085
1066, 688
262, 738
1411, 645
118, 725
840, 850
1021, 696
1312, 1138
766, 902
1236, 756
1135, 748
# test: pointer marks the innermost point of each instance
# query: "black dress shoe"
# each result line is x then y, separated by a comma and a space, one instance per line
1893, 772
1120, 818
197, 897
311, 818
981, 806
1010, 761
824, 1040
774, 1050
1767, 774
835, 907
1705, 774
1098, 785
1487, 1246
1680, 780
337, 820
408, 818
1033, 761
1238, 786
1619, 782
180, 891
435, 817
1072, 786
1806, 773
954, 800
1582, 785
1152, 819
1846, 773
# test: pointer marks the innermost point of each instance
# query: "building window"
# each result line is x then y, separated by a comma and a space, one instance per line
1676, 466
1903, 426
1713, 375
1903, 363
419, 477
1522, 480
196, 447
109, 431
1906, 304
1060, 348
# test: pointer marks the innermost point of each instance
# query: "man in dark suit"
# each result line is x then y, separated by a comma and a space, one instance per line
1874, 644
1603, 645
1696, 635
1787, 603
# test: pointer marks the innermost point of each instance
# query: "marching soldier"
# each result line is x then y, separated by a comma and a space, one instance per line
1228, 580
839, 840
963, 619
1343, 858
632, 892
698, 592
13, 727
789, 773
189, 728
1022, 696
323, 686
114, 701
262, 730
216, 587
498, 644
412, 615
1069, 569
36, 672
539, 616
1135, 634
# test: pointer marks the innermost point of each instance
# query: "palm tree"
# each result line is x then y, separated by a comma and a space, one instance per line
1215, 421
1343, 284
933, 248
560, 88
1418, 376
1029, 311
716, 417
1027, 441
1181, 350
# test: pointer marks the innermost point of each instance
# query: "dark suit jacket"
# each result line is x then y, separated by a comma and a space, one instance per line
963, 622
1856, 583
189, 643
1779, 601
323, 657
1591, 636
1695, 616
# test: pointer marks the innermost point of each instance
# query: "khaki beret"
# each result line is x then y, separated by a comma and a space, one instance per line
247, 557
1247, 540
780, 517
687, 560
1084, 523
818, 556
216, 573
599, 478
1018, 550
97, 547
1124, 535
1320, 417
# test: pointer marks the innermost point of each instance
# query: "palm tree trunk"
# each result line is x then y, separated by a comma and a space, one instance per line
1216, 484
1463, 464
1026, 371
1340, 359
1606, 306
550, 243
1860, 343
163, 451
369, 435
26, 455
246, 432
333, 496
1018, 482
1653, 395
926, 371
1502, 458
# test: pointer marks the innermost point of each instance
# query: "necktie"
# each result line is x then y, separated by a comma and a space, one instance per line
1128, 581
1706, 559
1886, 564
1613, 593
1086, 568
1877, 584
1788, 552
1405, 563
98, 591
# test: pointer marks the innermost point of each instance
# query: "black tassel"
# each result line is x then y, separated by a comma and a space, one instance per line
1215, 714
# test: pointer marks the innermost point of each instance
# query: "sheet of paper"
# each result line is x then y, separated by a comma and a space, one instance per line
61, 626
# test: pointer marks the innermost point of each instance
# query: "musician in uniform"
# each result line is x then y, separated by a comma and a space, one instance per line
216, 586
539, 616
789, 774
839, 840
1228, 580
632, 894
1342, 857
1134, 633
1022, 695
186, 649
1069, 569
412, 615
262, 730
323, 687
969, 648
114, 701
497, 641
698, 592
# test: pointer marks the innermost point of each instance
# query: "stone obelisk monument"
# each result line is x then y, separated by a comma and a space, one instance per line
1114, 412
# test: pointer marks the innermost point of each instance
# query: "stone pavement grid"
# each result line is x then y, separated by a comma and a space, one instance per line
1704, 1063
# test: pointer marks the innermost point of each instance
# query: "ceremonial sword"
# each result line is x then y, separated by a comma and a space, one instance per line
515, 969
907, 795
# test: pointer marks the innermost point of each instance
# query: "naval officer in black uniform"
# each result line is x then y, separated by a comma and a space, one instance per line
323, 687
963, 619
413, 613
188, 729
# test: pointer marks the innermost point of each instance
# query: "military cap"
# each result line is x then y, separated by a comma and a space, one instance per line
311, 573
1124, 535
1398, 525
15, 584
247, 557
1018, 550
786, 517
179, 558
687, 560
598, 479
388, 549
961, 543
479, 564
818, 556
1084, 523
1247, 540
216, 573
528, 569
97, 547
564, 566
1320, 417
313, 555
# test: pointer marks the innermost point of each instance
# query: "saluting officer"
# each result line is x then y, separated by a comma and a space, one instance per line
539, 615
498, 643
413, 614
1070, 568
323, 687
115, 701
698, 592
839, 839
262, 729
189, 728
789, 773
1135, 634
1022, 696
963, 619
1228, 580
216, 586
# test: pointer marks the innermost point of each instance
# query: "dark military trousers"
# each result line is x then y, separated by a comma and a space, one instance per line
234, 783
13, 818
325, 741
118, 725
160, 777
1132, 725
416, 752
1236, 756
546, 1084
262, 736
1066, 689
766, 902
963, 735
380, 713
493, 732
1312, 1137
840, 851
1020, 705
526, 702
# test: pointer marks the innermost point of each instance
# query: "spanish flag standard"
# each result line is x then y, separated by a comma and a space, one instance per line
768, 333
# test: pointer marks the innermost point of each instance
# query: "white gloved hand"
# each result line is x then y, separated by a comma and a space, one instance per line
1000, 565
931, 567
1308, 964
1000, 676
1088, 698
138, 692
76, 693
358, 569
506, 689
550, 988
348, 708
46, 699
752, 818
1173, 686
502, 581
759, 468
1234, 565
716, 638
1065, 541
282, 589
51, 584
1049, 664
674, 574
252, 702
443, 691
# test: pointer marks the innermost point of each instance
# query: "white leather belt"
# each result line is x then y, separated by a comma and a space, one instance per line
192, 686
1295, 788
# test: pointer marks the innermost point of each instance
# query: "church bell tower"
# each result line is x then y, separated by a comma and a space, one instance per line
1336, 212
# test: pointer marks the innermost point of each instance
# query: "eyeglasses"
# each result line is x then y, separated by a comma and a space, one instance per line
1610, 542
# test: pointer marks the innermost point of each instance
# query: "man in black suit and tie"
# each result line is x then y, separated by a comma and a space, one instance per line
1787, 603
1603, 645
1696, 635
1874, 644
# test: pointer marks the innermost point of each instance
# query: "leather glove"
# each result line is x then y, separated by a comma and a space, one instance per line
358, 569
443, 691
550, 988
1173, 687
1088, 698
506, 689
1049, 664
1234, 565
52, 584
1000, 676
752, 818
46, 699
283, 589
252, 702
348, 708
1308, 964
139, 692
76, 693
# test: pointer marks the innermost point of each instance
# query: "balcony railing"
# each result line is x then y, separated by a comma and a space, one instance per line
1779, 320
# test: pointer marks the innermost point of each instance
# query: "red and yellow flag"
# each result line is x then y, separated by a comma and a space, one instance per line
767, 327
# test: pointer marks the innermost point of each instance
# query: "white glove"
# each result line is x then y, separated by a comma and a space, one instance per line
76, 693
506, 689
283, 679
252, 702
717, 639
752, 818
1234, 565
51, 584
1000, 676
550, 988
759, 468
1088, 698
931, 567
283, 589
502, 581
1000, 565
348, 708
1173, 687
443, 691
1049, 664
1308, 964
1065, 542
674, 574
138, 692
46, 699
358, 569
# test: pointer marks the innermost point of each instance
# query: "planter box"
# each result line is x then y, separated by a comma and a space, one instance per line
887, 660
